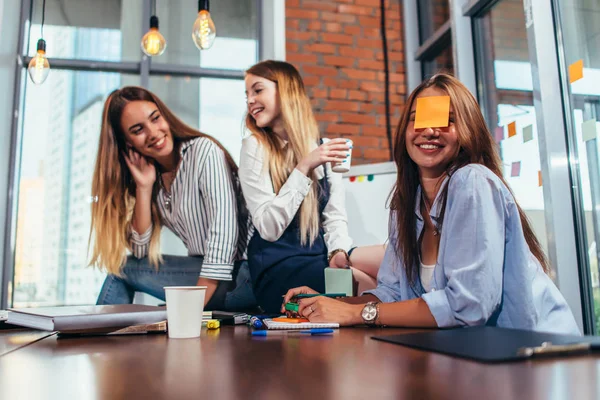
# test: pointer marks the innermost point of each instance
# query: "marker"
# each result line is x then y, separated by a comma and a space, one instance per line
255, 322
293, 333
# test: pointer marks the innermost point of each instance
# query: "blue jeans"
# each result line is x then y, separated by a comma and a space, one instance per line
138, 275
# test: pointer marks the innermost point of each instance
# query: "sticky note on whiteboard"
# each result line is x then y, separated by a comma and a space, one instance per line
515, 168
576, 71
512, 129
588, 130
527, 133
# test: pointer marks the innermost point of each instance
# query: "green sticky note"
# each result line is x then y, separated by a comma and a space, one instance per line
338, 280
527, 133
588, 129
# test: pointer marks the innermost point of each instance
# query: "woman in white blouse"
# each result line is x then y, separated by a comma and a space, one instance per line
296, 202
154, 170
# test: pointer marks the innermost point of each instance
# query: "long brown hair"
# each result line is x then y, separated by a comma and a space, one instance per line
476, 146
113, 187
303, 133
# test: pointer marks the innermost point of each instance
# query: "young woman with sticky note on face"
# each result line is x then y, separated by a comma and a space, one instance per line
461, 250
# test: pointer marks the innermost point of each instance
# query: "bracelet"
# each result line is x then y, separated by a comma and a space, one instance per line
334, 252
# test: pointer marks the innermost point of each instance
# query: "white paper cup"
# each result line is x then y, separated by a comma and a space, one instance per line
185, 305
344, 166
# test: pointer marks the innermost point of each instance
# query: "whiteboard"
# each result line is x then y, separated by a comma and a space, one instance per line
367, 202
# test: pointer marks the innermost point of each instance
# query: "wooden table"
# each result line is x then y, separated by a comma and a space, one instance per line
14, 339
229, 364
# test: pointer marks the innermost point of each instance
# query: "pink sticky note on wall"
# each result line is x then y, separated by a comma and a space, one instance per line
515, 169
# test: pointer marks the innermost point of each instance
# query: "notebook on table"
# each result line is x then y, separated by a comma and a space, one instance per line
492, 344
270, 324
72, 318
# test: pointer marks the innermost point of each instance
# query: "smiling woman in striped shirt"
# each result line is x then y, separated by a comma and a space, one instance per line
154, 170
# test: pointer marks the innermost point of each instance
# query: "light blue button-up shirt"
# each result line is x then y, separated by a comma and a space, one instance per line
485, 272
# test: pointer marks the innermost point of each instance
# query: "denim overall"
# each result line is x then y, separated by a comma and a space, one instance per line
276, 267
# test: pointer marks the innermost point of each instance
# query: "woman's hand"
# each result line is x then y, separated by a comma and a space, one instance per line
142, 170
339, 261
334, 151
325, 309
295, 292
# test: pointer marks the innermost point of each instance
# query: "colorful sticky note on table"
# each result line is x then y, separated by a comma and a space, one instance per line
588, 129
432, 112
576, 71
499, 134
512, 129
527, 133
515, 168
539, 178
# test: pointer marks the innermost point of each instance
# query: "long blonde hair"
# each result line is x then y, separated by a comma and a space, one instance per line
303, 133
113, 187
476, 147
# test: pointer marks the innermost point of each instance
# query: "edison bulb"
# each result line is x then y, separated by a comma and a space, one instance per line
39, 67
204, 31
153, 43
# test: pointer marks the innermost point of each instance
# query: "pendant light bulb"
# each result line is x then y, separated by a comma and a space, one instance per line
153, 43
39, 67
204, 31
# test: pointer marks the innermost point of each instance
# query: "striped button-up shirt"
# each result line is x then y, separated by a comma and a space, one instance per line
201, 211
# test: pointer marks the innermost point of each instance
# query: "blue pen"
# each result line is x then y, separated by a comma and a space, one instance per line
294, 332
256, 322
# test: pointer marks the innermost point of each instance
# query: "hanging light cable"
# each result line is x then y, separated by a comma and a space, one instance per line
204, 31
153, 42
39, 67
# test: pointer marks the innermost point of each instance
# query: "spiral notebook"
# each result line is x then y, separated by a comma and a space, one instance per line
270, 324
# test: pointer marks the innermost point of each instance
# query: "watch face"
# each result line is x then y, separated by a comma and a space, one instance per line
369, 312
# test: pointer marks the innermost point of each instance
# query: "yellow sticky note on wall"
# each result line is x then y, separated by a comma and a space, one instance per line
432, 112
512, 129
539, 178
576, 71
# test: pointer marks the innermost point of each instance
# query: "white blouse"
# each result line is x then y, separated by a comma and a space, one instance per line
272, 213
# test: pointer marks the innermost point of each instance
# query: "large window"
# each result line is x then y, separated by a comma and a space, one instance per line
435, 38
581, 34
506, 94
60, 120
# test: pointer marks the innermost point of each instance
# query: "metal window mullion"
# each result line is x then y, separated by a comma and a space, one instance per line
193, 71
435, 43
411, 44
476, 8
89, 65
12, 192
558, 160
145, 62
462, 46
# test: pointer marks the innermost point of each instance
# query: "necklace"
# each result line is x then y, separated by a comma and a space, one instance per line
166, 193
435, 229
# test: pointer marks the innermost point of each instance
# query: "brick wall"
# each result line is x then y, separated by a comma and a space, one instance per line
509, 32
337, 47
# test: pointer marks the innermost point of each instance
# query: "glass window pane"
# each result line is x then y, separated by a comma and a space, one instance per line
215, 106
60, 131
443, 62
507, 98
236, 44
89, 30
581, 37
432, 15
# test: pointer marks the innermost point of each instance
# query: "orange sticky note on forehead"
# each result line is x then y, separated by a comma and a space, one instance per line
576, 71
432, 112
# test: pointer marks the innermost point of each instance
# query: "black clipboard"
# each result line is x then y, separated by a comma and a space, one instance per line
491, 344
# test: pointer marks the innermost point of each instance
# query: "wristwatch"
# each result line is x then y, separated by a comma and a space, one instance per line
370, 313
